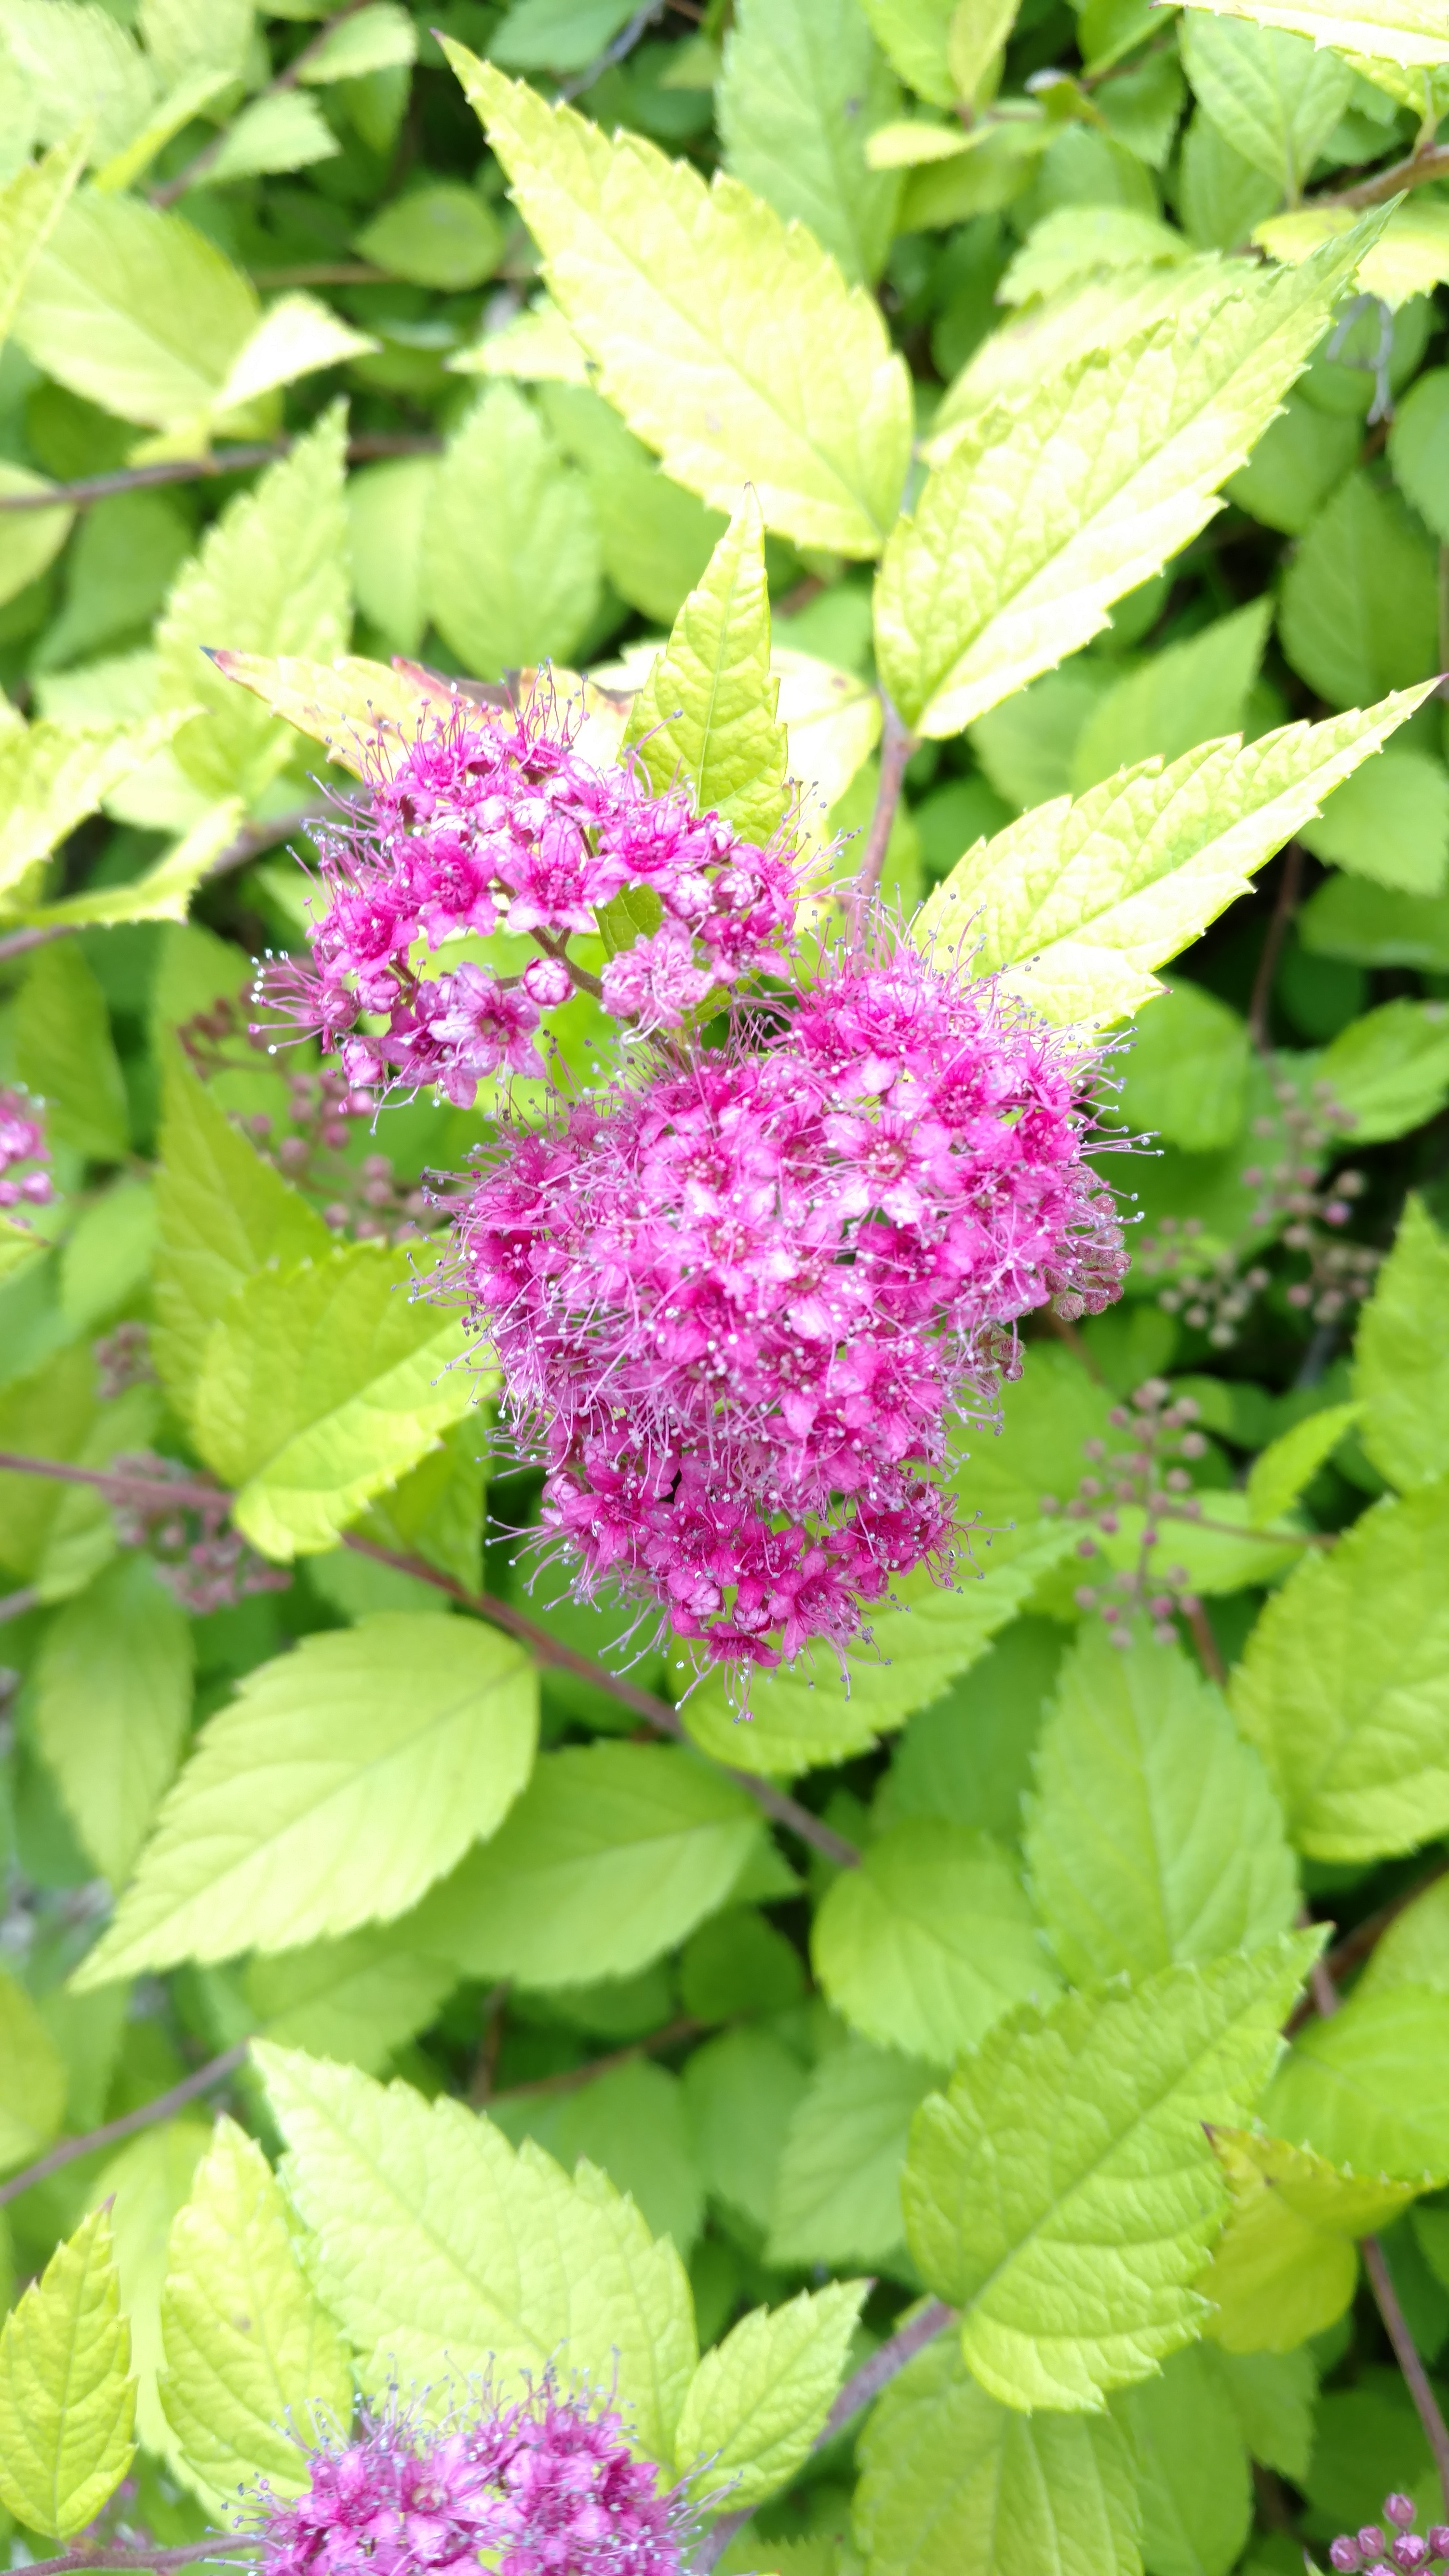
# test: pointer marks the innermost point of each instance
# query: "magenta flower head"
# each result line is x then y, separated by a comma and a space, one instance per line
24, 1154
1406, 2552
544, 2486
491, 822
740, 1301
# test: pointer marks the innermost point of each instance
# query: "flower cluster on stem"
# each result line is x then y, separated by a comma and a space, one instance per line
1399, 2550
25, 1179
1149, 1476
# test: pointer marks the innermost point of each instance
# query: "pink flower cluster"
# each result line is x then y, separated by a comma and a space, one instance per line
546, 2486
1373, 2551
738, 1303
22, 1141
498, 823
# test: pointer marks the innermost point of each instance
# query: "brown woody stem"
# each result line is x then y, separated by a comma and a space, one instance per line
129, 2125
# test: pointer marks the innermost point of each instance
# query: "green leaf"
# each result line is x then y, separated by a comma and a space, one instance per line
1062, 2194
1359, 612
433, 2238
930, 1941
320, 1387
1154, 1837
1076, 241
270, 577
1193, 2479
1414, 1951
799, 1718
730, 344
613, 1854
136, 311
915, 34
30, 207
557, 35
32, 2079
1028, 744
1297, 462
223, 1214
1375, 926
1285, 2267
147, 2185
178, 42
380, 37
163, 894
357, 1999
1369, 2089
510, 545
285, 132
1092, 895
64, 1054
953, 2484
1187, 1074
1390, 822
802, 87
67, 2399
80, 67
1186, 693
1273, 2396
838, 2187
1281, 1471
757, 2403
52, 775
1270, 94
111, 1704
1022, 539
655, 537
442, 235
1419, 448
1344, 1686
1390, 1069
742, 2091
1402, 31
708, 706
632, 2123
248, 2351
346, 1776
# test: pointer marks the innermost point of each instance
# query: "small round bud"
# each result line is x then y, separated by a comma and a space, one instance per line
547, 982
1399, 2509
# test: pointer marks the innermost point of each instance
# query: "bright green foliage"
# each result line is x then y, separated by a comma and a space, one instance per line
1268, 94
1287, 1465
1370, 2088
438, 2247
1187, 1074
346, 1778
654, 537
51, 775
915, 34
1018, 547
1093, 895
441, 236
112, 1704
1390, 1069
510, 552
954, 2484
67, 2399
1273, 2397
1153, 1838
32, 2078
1189, 693
759, 2400
742, 2090
613, 1854
1193, 2479
1344, 1687
1284, 2267
1390, 821
729, 344
30, 206
1360, 602
320, 1387
64, 1054
1414, 1950
1061, 2192
930, 1942
802, 87
1401, 1363
147, 2184
135, 310
1402, 31
837, 2192
247, 2347
706, 715
357, 1999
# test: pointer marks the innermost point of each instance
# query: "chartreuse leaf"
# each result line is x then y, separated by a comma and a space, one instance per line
65, 1055
1401, 31
954, 2484
706, 715
1022, 539
1414, 1951
1359, 604
283, 132
1153, 1836
802, 87
223, 1213
1080, 901
800, 1717
270, 577
135, 310
346, 1776
838, 2185
1389, 1069
1344, 1686
1187, 1074
350, 704
510, 551
1187, 693
759, 2400
163, 894
433, 2238
930, 1941
379, 37
67, 2399
613, 1854
30, 206
321, 1386
1370, 2088
32, 2078
1284, 2267
52, 775
1401, 1356
357, 1999
1280, 1472
1269, 94
147, 2185
1274, 2397
295, 337
111, 1702
1061, 2192
731, 344
248, 2351
1193, 2479
79, 66
915, 34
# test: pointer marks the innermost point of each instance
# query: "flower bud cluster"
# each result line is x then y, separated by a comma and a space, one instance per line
24, 1155
1149, 1476
1399, 2551
491, 823
203, 1564
739, 1303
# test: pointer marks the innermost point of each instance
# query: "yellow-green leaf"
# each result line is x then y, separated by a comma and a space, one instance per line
1401, 31
30, 207
67, 2398
707, 714
1285, 2267
758, 2401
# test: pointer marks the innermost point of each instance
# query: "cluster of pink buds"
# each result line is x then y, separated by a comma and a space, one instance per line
123, 1360
544, 2486
1296, 1206
24, 1155
491, 823
205, 1565
1398, 2552
740, 1302
1147, 1476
